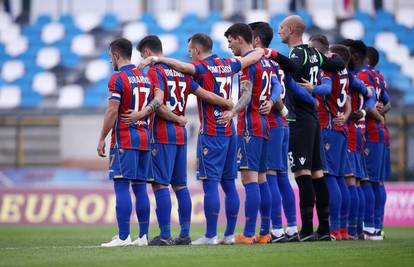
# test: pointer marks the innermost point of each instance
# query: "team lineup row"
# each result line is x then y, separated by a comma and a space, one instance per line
320, 110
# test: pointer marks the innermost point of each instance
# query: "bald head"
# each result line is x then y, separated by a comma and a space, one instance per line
292, 29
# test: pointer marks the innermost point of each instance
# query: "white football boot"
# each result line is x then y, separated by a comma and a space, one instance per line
205, 241
143, 241
117, 242
227, 240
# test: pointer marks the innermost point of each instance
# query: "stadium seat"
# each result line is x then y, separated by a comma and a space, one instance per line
134, 31
352, 29
10, 96
17, 47
257, 15
52, 33
87, 21
169, 20
45, 83
12, 70
30, 98
48, 57
70, 96
109, 22
83, 45
170, 43
97, 69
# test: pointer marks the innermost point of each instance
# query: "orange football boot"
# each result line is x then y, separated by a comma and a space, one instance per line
241, 239
263, 239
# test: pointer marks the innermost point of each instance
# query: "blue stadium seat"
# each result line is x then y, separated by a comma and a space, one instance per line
409, 98
30, 98
95, 95
109, 22
307, 19
43, 20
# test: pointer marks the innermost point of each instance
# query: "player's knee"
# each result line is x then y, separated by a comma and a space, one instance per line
302, 172
271, 172
317, 174
177, 188
156, 186
350, 181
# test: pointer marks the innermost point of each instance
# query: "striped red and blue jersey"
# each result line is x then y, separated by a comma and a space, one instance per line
250, 120
375, 131
134, 91
275, 119
356, 130
384, 87
333, 104
215, 75
176, 87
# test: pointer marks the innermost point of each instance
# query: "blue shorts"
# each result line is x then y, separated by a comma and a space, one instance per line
387, 165
374, 158
334, 147
216, 157
129, 164
169, 164
277, 149
358, 167
252, 153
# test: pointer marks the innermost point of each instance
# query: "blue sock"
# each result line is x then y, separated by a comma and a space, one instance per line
288, 198
345, 202
163, 211
276, 211
353, 210
361, 210
232, 205
377, 206
184, 211
369, 204
383, 202
142, 207
251, 208
265, 208
211, 206
335, 200
123, 207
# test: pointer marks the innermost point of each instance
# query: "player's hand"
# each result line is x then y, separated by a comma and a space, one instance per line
369, 91
308, 86
229, 104
101, 148
356, 116
266, 107
380, 108
381, 119
146, 62
316, 103
226, 117
133, 116
269, 53
340, 119
182, 120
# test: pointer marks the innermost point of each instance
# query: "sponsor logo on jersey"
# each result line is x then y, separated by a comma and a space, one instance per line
302, 160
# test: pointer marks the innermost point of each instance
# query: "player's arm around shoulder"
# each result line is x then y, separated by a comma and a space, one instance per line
176, 64
251, 58
213, 99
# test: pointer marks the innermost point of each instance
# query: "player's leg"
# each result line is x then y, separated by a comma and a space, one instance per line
320, 187
299, 151
210, 168
274, 162
383, 194
248, 150
353, 208
361, 211
344, 207
378, 206
286, 191
142, 204
179, 184
369, 226
228, 184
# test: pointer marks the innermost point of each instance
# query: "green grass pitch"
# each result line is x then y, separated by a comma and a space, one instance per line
77, 246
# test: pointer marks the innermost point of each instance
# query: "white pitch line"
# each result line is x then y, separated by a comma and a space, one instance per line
51, 247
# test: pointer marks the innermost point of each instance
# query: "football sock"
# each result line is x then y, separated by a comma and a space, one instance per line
306, 202
276, 211
322, 204
123, 207
288, 198
378, 205
251, 208
353, 210
163, 211
335, 200
361, 210
369, 206
343, 219
383, 202
265, 208
232, 204
184, 211
211, 207
142, 207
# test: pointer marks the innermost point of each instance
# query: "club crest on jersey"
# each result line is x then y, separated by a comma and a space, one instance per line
327, 147
302, 160
205, 151
366, 151
154, 152
121, 150
247, 138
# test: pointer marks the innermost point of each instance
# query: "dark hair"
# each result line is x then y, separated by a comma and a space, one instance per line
342, 51
323, 43
373, 56
346, 42
151, 42
240, 29
358, 48
122, 46
263, 31
202, 39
